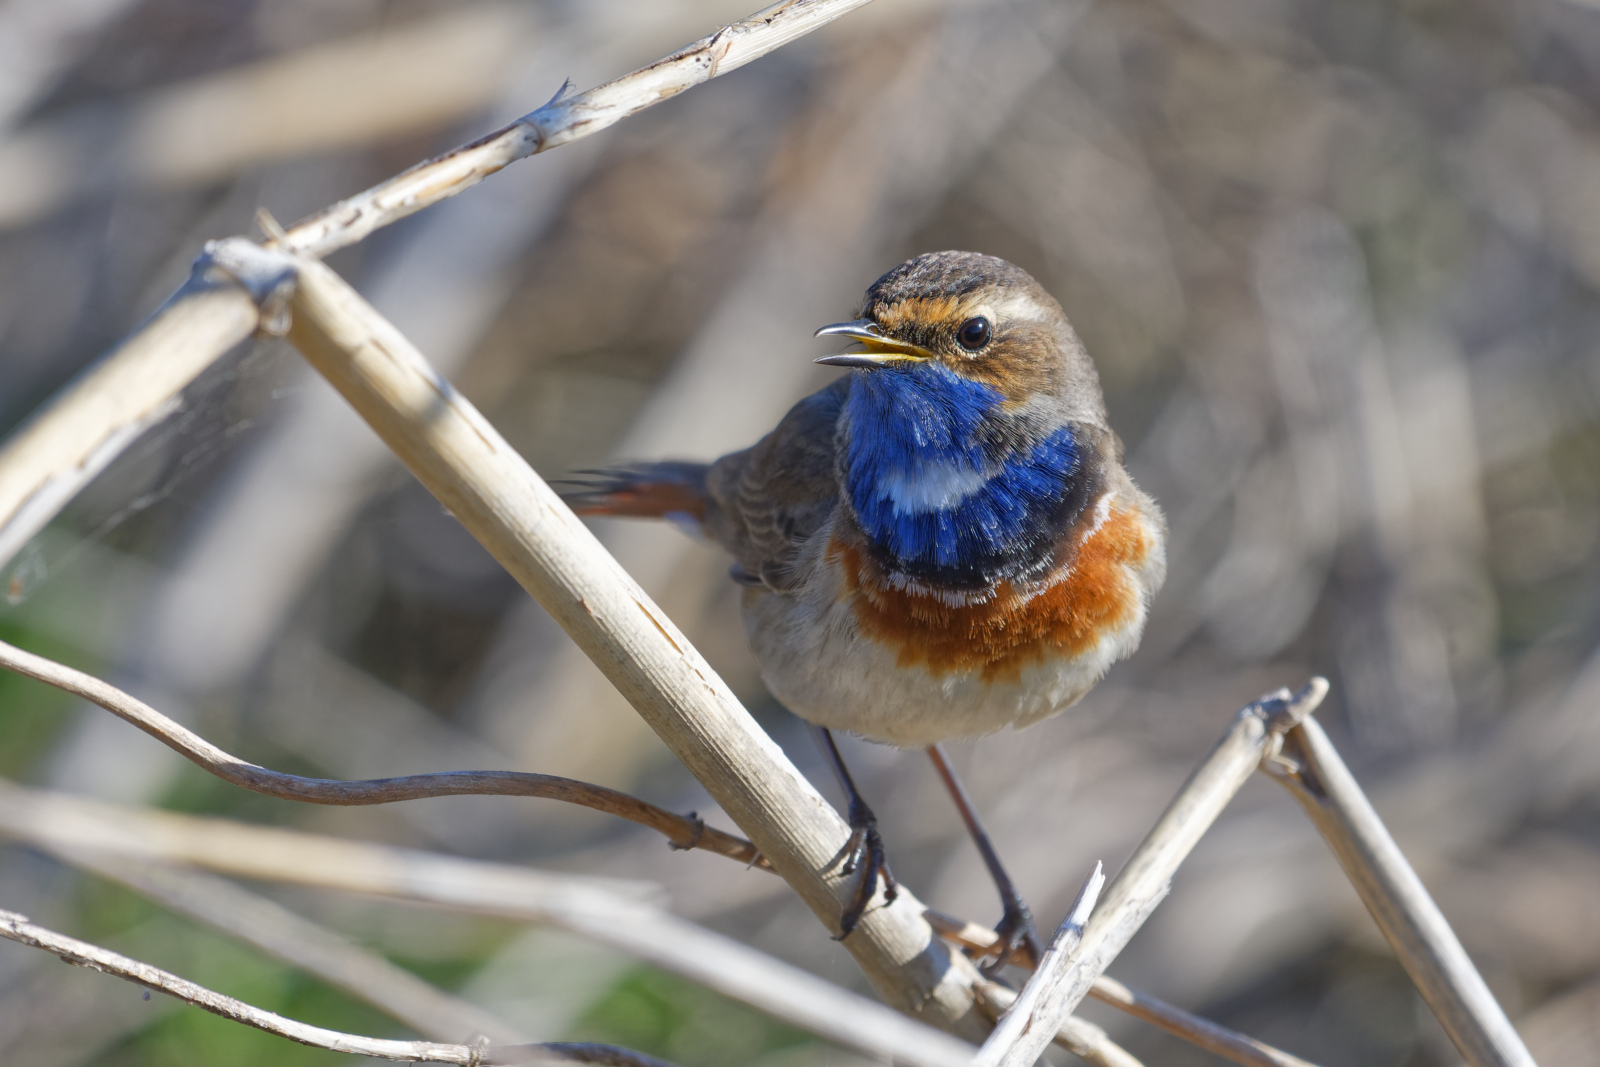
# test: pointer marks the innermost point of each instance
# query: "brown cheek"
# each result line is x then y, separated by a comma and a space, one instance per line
1014, 383
1018, 367
999, 638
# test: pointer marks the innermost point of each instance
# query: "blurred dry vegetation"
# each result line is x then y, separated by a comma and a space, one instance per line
1339, 265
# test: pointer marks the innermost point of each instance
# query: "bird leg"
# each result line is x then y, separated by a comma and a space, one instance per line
1018, 938
864, 850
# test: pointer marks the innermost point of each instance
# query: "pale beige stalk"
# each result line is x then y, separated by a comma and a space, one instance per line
1428, 949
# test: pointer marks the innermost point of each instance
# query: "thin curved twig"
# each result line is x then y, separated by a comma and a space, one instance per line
681, 831
14, 927
566, 117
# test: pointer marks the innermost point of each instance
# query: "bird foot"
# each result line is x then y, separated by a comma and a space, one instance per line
864, 852
1019, 940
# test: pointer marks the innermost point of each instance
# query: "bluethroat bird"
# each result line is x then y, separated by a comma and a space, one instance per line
940, 544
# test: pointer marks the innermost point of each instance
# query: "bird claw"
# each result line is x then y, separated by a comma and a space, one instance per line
1019, 940
864, 852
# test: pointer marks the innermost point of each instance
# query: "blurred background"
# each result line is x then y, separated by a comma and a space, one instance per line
1339, 265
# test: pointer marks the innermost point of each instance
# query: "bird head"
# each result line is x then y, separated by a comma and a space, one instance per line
972, 428
977, 318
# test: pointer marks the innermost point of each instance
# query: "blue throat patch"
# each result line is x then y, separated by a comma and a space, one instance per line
926, 423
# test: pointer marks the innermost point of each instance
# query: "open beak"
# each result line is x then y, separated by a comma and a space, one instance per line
880, 351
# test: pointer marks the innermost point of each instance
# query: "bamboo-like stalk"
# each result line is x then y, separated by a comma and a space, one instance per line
91, 420
1034, 1019
464, 462
1428, 949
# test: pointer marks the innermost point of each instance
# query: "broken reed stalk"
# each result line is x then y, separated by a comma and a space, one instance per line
463, 460
607, 911
1034, 1019
89, 422
1428, 949
682, 831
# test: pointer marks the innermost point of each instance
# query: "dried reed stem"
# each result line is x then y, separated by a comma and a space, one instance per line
1032, 1021
683, 831
1311, 769
464, 462
14, 927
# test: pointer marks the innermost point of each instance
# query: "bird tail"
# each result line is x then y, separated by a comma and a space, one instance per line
670, 490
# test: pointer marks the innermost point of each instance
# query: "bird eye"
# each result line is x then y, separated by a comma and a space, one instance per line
974, 333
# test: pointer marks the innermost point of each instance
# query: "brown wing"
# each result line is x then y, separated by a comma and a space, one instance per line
768, 500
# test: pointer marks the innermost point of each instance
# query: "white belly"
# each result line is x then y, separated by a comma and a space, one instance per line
815, 660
